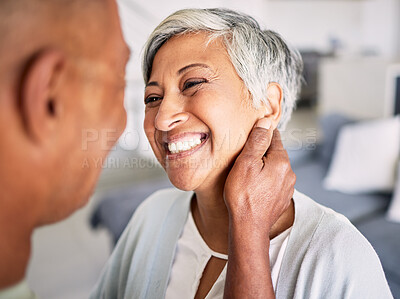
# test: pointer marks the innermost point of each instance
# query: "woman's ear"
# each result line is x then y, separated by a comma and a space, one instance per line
274, 96
39, 101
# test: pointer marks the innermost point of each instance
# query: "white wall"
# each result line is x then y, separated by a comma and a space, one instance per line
310, 24
381, 26
350, 84
360, 25
371, 25
355, 87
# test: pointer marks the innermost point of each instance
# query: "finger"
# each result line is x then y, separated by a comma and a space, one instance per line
259, 140
276, 142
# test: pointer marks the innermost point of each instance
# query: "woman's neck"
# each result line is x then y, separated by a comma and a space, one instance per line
212, 219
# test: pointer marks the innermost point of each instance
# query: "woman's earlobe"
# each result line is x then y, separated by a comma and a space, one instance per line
38, 101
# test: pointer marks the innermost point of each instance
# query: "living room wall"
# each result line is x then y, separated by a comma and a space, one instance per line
371, 26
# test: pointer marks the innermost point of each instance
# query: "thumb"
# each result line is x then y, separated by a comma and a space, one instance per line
259, 140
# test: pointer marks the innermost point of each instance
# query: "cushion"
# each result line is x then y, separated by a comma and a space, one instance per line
365, 157
355, 207
331, 125
394, 209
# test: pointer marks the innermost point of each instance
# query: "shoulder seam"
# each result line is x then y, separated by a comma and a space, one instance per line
314, 231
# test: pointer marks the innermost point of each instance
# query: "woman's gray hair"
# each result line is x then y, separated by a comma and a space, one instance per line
259, 57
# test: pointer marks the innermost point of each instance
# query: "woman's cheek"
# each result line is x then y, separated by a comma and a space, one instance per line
149, 123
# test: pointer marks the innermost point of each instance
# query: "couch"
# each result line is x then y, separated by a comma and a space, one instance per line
366, 211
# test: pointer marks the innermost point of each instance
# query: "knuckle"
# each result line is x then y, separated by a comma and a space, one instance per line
283, 165
287, 166
294, 178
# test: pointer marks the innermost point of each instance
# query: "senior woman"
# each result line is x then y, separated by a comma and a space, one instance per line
210, 75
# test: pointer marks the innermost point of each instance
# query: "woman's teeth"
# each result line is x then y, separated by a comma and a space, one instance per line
182, 146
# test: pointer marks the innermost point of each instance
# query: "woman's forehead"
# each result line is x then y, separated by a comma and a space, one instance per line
188, 49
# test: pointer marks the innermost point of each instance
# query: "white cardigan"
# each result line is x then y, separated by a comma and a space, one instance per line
326, 256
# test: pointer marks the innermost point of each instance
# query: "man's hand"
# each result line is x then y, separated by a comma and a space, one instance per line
257, 191
261, 183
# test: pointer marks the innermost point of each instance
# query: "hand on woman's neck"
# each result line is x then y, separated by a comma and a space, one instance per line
212, 219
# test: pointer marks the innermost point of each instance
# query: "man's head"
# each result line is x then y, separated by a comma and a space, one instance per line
62, 68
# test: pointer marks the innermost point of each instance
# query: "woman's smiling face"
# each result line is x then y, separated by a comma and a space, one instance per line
198, 111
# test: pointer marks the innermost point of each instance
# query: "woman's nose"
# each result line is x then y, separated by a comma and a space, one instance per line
170, 114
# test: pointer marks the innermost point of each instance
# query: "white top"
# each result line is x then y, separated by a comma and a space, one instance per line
325, 256
192, 255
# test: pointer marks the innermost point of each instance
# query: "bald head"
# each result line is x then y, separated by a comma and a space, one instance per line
62, 73
28, 26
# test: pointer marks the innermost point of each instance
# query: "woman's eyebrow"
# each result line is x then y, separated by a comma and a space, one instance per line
193, 65
152, 83
185, 68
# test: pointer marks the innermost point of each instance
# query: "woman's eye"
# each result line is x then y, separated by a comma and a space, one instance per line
151, 99
189, 84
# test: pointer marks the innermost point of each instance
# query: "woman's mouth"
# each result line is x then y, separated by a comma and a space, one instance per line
185, 145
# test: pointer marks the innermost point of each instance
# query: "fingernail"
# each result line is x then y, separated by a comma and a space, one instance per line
264, 123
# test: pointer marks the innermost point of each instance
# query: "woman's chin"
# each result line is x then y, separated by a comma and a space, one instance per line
185, 179
182, 184
197, 179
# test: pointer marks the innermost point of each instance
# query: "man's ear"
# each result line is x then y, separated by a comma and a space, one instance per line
274, 110
39, 105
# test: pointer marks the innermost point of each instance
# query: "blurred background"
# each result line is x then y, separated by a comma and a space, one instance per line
343, 139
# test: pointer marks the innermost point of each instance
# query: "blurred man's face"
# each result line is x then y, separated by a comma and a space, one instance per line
94, 92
